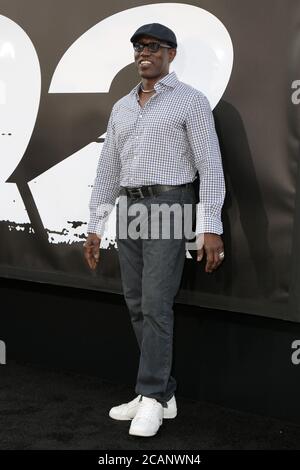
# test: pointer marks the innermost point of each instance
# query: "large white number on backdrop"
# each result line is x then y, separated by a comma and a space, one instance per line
204, 60
20, 88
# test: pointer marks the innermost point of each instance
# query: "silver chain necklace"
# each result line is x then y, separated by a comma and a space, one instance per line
146, 91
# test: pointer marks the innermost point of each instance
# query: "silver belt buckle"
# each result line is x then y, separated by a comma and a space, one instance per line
134, 191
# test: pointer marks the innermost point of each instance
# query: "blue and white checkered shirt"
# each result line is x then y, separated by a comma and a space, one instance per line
165, 142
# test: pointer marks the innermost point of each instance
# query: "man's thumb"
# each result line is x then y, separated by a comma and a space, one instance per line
96, 253
200, 254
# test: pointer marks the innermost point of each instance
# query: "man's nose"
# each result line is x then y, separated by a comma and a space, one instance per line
145, 51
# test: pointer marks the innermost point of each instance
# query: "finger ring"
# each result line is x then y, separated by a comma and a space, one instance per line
221, 255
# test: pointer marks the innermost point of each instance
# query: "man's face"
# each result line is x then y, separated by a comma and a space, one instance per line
153, 64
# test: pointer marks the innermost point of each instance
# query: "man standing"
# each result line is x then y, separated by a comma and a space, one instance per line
158, 136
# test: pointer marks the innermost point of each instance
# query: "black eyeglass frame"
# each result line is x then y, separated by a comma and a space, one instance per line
152, 46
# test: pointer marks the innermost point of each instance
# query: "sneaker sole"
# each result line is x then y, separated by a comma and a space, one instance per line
125, 418
142, 435
121, 419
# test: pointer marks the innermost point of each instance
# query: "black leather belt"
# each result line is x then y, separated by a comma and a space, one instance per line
153, 190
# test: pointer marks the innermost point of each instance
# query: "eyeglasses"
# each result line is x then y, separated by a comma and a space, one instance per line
152, 46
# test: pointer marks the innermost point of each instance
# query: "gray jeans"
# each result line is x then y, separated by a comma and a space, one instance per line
151, 271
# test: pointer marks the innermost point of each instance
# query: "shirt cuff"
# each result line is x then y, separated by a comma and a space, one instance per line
96, 225
206, 223
97, 228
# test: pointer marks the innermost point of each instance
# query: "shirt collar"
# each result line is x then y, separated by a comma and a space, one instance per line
170, 80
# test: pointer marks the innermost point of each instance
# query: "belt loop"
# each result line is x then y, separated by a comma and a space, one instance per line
150, 191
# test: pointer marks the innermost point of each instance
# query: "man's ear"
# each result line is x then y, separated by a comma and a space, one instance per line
172, 53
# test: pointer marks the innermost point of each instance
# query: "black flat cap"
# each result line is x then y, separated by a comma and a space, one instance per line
157, 31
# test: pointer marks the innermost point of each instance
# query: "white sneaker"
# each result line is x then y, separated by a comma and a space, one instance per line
148, 418
171, 410
127, 411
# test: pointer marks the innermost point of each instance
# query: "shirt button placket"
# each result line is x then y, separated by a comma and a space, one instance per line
137, 137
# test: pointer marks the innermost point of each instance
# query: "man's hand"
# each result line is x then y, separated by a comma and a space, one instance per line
213, 246
91, 250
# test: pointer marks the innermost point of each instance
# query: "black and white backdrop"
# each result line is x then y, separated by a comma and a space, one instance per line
62, 66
